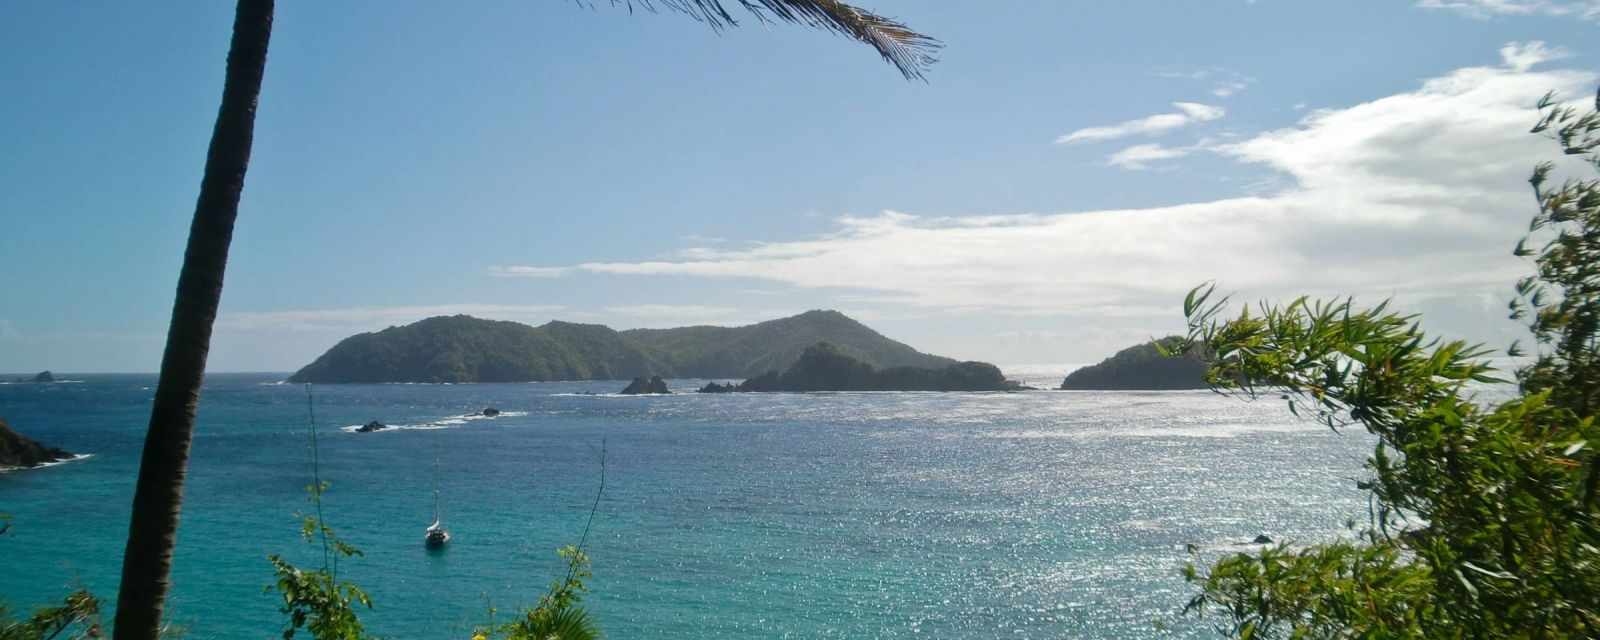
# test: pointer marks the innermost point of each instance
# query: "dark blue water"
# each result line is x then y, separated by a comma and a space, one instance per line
892, 515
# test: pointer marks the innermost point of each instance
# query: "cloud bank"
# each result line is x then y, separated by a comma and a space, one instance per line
1418, 195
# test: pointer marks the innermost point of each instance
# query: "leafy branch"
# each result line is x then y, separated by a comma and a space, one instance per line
1485, 519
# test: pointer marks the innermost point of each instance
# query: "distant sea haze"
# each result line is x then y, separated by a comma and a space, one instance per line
1043, 376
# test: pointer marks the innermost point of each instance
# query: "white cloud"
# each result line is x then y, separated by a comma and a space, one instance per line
527, 272
1484, 9
1224, 82
1417, 195
1228, 88
1140, 155
371, 318
1522, 56
1187, 113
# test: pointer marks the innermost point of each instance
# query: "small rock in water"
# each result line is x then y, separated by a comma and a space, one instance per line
491, 412
642, 386
44, 376
371, 427
1262, 539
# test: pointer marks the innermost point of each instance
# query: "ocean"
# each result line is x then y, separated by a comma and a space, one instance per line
1046, 514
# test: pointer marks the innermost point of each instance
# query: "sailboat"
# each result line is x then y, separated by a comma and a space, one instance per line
436, 535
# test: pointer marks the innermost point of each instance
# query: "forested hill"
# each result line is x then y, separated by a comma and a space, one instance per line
467, 349
1141, 367
749, 351
824, 367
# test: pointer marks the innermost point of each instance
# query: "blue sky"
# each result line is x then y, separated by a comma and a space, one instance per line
1066, 172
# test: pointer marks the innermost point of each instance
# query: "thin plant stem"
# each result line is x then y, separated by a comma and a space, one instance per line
316, 486
583, 540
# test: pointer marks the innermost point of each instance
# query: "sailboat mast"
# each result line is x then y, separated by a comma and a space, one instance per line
436, 536
435, 478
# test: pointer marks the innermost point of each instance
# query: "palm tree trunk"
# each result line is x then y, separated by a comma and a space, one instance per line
153, 527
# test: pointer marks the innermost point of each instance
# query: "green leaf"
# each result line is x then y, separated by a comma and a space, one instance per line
1494, 574
1465, 583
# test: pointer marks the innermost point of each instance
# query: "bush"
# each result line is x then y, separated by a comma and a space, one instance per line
77, 617
1485, 517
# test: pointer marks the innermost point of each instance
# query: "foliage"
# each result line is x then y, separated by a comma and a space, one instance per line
317, 600
748, 351
467, 349
1484, 518
1142, 366
559, 614
907, 50
824, 367
77, 617
1565, 324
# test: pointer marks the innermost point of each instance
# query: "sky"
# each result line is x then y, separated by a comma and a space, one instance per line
1065, 174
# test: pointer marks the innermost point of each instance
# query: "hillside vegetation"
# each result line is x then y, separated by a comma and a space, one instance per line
1142, 367
825, 367
743, 352
467, 349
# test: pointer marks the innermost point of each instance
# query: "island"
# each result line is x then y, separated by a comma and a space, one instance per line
642, 386
826, 367
1142, 367
19, 451
462, 348
44, 376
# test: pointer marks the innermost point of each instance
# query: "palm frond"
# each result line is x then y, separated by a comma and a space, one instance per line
566, 623
910, 52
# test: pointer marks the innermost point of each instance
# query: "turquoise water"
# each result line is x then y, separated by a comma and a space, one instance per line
859, 515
